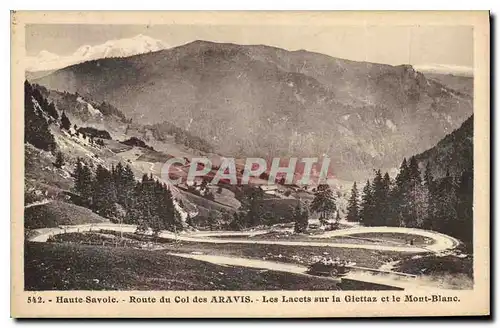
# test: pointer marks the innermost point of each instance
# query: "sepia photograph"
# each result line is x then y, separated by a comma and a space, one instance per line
183, 156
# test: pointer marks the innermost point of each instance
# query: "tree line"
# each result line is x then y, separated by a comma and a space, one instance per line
253, 212
36, 126
415, 199
116, 194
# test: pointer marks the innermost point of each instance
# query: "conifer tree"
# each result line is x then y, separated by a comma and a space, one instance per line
353, 207
168, 213
366, 208
429, 184
386, 182
65, 122
59, 160
104, 194
399, 196
413, 171
415, 197
252, 205
118, 180
36, 128
213, 219
51, 110
428, 178
404, 174
77, 176
387, 201
463, 228
301, 218
127, 185
323, 203
203, 186
83, 182
378, 200
337, 221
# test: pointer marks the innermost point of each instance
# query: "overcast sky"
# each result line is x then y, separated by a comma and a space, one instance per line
416, 45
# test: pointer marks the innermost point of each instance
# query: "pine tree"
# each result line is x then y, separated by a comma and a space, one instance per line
204, 187
159, 221
431, 197
323, 203
65, 122
252, 205
239, 221
379, 199
399, 196
415, 197
144, 200
301, 218
463, 228
404, 174
213, 220
104, 194
51, 110
167, 212
428, 178
118, 180
386, 182
77, 176
419, 202
445, 215
59, 160
36, 128
83, 181
126, 193
189, 221
387, 201
366, 208
413, 171
336, 224
353, 207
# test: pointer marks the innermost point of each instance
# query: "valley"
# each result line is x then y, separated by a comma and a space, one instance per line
100, 215
259, 101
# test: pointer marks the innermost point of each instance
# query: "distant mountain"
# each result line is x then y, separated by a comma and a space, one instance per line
31, 76
446, 69
462, 84
46, 61
454, 153
265, 101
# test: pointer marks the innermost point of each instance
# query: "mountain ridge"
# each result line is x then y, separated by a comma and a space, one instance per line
266, 101
453, 154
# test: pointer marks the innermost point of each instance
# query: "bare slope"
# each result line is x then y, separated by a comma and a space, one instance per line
76, 267
58, 213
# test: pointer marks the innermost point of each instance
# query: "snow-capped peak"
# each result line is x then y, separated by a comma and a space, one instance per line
45, 55
113, 48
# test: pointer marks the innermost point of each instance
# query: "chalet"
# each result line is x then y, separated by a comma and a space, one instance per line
269, 189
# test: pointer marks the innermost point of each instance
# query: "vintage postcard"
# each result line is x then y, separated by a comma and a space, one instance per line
250, 164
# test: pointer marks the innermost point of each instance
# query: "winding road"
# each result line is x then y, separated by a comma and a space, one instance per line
441, 243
